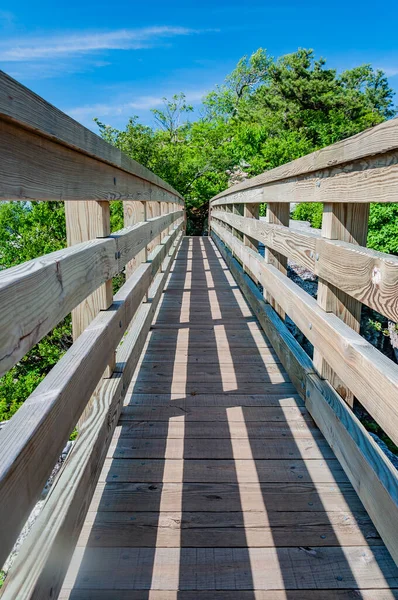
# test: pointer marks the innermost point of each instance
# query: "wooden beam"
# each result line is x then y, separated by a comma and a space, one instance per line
347, 222
34, 167
250, 211
153, 210
21, 106
372, 377
365, 274
277, 214
378, 140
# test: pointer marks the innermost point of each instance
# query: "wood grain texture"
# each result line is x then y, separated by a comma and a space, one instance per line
134, 212
371, 473
377, 140
21, 106
34, 167
231, 568
371, 376
277, 214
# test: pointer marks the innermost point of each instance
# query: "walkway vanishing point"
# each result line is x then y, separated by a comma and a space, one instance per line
215, 459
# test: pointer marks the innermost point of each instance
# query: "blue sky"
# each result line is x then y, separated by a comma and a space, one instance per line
116, 59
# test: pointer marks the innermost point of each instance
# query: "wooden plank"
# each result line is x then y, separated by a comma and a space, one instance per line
20, 105
205, 400
87, 220
277, 214
153, 210
299, 246
215, 414
93, 594
211, 448
376, 140
371, 376
371, 473
232, 568
223, 471
35, 167
219, 372
350, 224
48, 416
222, 497
226, 530
36, 295
276, 385
134, 212
233, 430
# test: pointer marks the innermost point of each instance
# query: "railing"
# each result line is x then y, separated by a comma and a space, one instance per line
45, 155
345, 177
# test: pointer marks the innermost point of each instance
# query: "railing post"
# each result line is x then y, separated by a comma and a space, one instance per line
153, 210
134, 212
250, 211
349, 223
87, 220
278, 213
164, 210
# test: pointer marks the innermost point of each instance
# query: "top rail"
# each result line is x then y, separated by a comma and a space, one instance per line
43, 129
329, 174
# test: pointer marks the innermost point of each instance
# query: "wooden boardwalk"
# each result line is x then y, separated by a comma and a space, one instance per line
217, 484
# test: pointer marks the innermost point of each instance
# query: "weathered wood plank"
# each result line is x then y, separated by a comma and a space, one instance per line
20, 105
222, 497
223, 471
233, 430
215, 414
211, 448
34, 167
277, 214
93, 594
232, 568
204, 400
228, 530
134, 212
376, 140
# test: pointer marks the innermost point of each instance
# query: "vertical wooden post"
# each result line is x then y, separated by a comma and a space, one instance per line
134, 212
250, 211
164, 210
278, 213
349, 223
86, 220
153, 210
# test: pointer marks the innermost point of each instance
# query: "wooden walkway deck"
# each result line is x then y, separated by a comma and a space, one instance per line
218, 485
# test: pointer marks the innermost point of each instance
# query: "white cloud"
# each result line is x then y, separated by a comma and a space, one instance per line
54, 47
86, 114
390, 71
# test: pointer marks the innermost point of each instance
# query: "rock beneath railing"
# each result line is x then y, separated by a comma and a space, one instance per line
38, 507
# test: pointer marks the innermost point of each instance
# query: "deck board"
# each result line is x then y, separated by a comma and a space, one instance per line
217, 484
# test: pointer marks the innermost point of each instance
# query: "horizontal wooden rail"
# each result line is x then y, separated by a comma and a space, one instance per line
369, 470
46, 155
46, 419
367, 275
36, 295
371, 376
373, 151
41, 566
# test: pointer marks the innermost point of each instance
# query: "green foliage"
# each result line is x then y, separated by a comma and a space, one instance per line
309, 211
28, 230
383, 228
